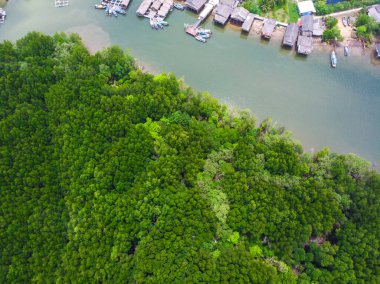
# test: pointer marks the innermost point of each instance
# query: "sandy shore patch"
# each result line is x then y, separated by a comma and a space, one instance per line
93, 36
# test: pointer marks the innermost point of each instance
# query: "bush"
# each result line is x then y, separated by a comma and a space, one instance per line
331, 22
332, 35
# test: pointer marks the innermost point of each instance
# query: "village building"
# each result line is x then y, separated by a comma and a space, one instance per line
304, 44
318, 27
268, 28
374, 12
143, 8
222, 14
291, 35
306, 8
246, 27
195, 5
307, 25
231, 3
239, 15
156, 5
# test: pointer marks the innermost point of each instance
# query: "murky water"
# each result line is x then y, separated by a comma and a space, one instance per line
339, 108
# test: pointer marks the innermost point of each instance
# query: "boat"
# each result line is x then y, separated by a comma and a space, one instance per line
201, 30
333, 59
349, 21
201, 39
100, 6
345, 50
344, 21
164, 23
179, 6
204, 35
3, 15
153, 23
119, 10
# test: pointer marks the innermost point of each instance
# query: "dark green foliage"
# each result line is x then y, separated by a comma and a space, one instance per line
108, 175
331, 22
324, 9
332, 33
366, 27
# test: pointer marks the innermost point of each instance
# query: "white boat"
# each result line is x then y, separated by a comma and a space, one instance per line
333, 59
201, 39
207, 31
204, 35
345, 50
344, 21
164, 23
100, 6
179, 6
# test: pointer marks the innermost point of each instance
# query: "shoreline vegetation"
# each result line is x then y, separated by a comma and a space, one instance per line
112, 175
348, 33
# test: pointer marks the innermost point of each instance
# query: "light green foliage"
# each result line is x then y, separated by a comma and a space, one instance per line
109, 175
256, 251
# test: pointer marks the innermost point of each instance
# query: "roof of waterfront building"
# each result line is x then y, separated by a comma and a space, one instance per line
304, 44
291, 34
195, 4
307, 24
318, 27
268, 27
306, 7
374, 12
156, 5
143, 8
231, 3
248, 22
239, 14
222, 14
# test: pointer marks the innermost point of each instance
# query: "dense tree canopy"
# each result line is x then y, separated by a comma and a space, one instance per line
112, 175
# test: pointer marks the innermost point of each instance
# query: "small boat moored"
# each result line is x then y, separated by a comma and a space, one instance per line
179, 6
3, 15
333, 59
349, 21
344, 21
100, 6
201, 39
346, 50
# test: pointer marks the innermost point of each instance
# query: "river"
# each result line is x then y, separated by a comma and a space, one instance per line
338, 108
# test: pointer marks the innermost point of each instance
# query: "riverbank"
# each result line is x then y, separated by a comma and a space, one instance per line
320, 105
